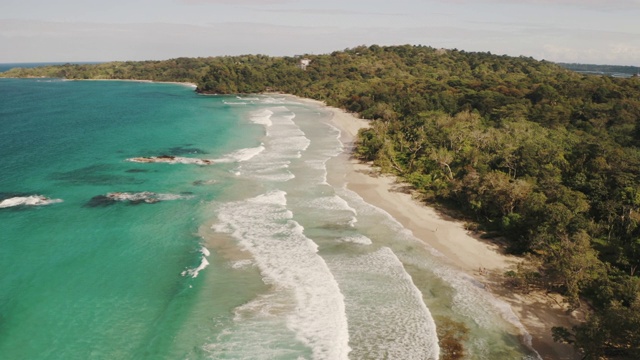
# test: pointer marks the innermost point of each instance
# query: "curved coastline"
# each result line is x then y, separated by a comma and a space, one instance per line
194, 86
485, 262
188, 84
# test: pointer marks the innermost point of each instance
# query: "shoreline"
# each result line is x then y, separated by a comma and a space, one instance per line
188, 84
484, 261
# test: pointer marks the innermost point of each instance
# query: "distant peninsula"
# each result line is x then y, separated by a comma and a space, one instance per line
606, 70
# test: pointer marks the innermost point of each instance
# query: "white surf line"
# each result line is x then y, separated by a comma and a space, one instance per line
470, 299
203, 264
241, 155
32, 200
388, 318
288, 260
283, 142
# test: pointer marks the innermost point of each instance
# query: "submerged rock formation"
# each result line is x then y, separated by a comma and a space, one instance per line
146, 197
170, 159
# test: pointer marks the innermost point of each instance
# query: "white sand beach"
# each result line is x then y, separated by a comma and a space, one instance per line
538, 312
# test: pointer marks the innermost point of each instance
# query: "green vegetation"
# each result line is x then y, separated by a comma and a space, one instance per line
538, 155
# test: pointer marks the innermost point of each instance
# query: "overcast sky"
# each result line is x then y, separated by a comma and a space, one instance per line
586, 31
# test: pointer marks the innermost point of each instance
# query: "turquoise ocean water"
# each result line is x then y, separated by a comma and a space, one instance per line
263, 255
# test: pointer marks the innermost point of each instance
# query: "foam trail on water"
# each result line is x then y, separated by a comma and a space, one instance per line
241, 264
203, 264
331, 210
262, 117
272, 100
165, 197
33, 200
234, 103
241, 155
326, 148
356, 239
283, 143
288, 260
338, 146
390, 321
334, 202
258, 332
470, 299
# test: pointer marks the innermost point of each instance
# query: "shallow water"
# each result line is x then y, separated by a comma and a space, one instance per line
264, 255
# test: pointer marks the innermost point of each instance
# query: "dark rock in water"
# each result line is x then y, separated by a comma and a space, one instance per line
133, 198
113, 198
100, 201
170, 159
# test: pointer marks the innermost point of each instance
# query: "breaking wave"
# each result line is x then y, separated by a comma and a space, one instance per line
203, 264
33, 200
289, 261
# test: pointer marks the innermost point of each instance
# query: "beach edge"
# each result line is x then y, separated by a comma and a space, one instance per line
486, 262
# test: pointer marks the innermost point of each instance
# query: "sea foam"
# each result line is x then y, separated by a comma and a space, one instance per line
288, 260
203, 264
387, 316
470, 299
235, 103
241, 155
262, 117
356, 239
284, 142
33, 200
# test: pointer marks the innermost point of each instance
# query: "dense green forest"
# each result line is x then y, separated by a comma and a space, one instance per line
538, 157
